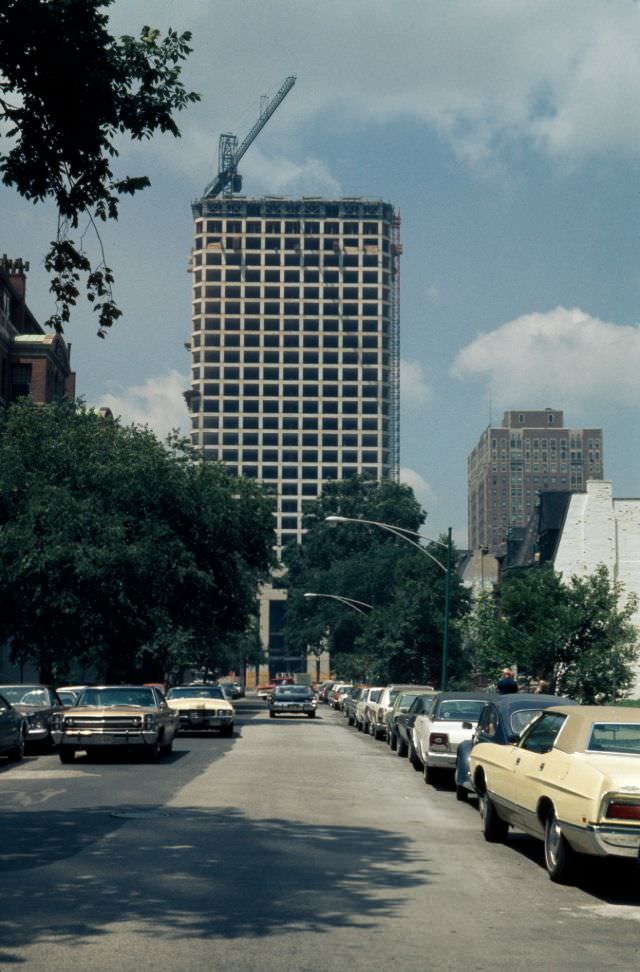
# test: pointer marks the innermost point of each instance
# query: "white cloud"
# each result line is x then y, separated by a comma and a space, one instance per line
414, 390
281, 176
419, 485
158, 403
561, 358
561, 76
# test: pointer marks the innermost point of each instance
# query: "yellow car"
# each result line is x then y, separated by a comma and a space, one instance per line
571, 780
201, 708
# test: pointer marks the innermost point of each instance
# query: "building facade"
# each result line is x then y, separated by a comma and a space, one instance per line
295, 350
32, 362
530, 452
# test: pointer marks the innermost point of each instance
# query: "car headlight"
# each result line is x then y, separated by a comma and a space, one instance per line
150, 721
37, 720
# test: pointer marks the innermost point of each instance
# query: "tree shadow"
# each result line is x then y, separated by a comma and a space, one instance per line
194, 873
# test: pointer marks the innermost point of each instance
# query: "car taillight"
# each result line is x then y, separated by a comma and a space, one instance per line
619, 810
438, 740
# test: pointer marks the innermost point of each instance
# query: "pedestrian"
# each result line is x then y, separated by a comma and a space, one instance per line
507, 683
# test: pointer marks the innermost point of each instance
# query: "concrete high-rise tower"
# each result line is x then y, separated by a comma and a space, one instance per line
532, 451
294, 350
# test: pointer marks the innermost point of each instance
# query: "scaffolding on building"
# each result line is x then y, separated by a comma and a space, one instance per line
396, 253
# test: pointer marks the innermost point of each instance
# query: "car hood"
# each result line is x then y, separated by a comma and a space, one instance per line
201, 703
26, 710
111, 710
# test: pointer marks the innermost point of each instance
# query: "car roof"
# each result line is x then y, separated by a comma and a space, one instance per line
482, 696
580, 718
528, 700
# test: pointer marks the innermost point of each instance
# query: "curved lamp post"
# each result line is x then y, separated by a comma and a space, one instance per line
349, 601
407, 535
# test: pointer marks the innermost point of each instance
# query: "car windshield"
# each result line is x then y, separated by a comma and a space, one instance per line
26, 694
459, 710
117, 696
293, 692
521, 719
196, 692
615, 737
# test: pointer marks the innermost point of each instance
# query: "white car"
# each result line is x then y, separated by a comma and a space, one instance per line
436, 735
364, 707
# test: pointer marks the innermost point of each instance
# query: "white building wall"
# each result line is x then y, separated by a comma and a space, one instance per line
599, 529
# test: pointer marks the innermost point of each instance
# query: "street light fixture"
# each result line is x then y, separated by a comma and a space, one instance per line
349, 601
407, 536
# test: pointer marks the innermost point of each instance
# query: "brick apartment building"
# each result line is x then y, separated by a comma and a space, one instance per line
32, 362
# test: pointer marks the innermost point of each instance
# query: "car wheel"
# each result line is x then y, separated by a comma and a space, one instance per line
272, 715
15, 755
431, 774
462, 794
359, 726
227, 730
168, 747
494, 828
153, 751
311, 715
67, 754
558, 855
401, 747
393, 742
350, 720
414, 759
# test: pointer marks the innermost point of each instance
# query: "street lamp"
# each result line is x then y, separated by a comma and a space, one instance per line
349, 601
407, 535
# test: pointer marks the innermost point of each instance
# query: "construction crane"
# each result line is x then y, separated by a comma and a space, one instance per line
228, 180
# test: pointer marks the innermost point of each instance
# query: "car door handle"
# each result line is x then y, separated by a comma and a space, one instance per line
517, 761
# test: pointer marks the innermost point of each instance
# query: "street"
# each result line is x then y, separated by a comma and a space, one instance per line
299, 844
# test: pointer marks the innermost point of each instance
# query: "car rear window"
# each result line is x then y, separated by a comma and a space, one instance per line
293, 692
615, 737
520, 719
460, 710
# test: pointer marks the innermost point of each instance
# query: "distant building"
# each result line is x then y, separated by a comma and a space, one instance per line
512, 464
32, 362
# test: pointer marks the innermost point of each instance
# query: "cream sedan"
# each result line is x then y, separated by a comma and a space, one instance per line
202, 708
572, 780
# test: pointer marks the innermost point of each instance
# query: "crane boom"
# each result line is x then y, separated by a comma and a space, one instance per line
229, 153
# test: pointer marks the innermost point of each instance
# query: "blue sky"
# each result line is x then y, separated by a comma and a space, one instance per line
507, 132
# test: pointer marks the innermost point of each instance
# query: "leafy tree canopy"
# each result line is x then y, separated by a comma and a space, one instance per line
578, 636
68, 91
400, 636
117, 550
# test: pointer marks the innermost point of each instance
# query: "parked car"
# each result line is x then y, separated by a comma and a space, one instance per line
403, 714
337, 693
293, 700
37, 704
324, 689
571, 781
13, 731
437, 734
381, 710
202, 708
350, 702
131, 717
232, 690
364, 707
502, 721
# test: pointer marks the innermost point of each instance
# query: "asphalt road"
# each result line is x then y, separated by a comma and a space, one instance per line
297, 845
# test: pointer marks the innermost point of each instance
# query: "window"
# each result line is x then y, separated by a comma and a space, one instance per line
543, 733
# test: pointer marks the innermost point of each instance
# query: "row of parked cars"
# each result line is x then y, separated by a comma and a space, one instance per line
564, 773
92, 717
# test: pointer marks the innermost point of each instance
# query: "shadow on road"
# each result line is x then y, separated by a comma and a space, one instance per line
184, 873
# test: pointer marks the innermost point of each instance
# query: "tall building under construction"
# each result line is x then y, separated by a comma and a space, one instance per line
295, 343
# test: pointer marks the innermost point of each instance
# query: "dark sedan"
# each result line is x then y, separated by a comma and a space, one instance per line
13, 731
401, 708
502, 721
37, 704
404, 724
292, 700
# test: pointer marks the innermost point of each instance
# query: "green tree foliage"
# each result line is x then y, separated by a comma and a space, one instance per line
400, 638
576, 636
69, 91
117, 550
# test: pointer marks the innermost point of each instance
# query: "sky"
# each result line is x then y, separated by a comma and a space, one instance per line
506, 133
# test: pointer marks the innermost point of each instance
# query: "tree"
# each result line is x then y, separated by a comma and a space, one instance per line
118, 551
576, 636
68, 91
400, 637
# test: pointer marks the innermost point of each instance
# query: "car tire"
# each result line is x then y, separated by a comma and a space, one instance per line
227, 730
494, 829
559, 857
272, 715
393, 742
431, 774
350, 720
414, 759
17, 753
462, 794
167, 747
152, 751
67, 754
359, 726
311, 715
401, 747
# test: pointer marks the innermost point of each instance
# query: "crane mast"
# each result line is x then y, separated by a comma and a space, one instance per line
228, 180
